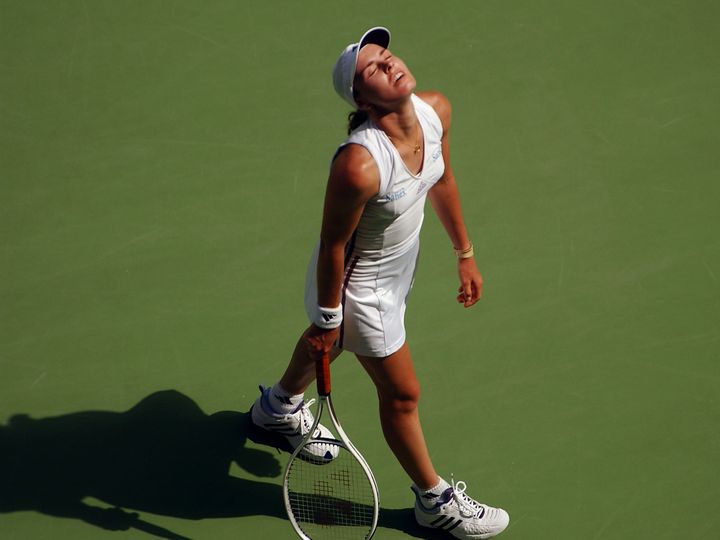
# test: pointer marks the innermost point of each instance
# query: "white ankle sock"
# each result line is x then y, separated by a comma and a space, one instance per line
428, 497
282, 401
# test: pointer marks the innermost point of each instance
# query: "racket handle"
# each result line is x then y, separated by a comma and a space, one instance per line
322, 374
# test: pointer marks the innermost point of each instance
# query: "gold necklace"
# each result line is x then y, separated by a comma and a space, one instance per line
416, 147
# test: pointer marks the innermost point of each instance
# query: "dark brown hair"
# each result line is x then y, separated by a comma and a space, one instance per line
356, 119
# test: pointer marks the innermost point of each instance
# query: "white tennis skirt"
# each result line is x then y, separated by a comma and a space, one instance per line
374, 298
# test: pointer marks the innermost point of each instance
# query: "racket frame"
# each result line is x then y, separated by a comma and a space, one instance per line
325, 402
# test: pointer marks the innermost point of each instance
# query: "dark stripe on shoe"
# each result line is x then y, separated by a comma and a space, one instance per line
442, 521
458, 522
279, 428
447, 524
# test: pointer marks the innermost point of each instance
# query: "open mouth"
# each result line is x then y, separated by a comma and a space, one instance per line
398, 76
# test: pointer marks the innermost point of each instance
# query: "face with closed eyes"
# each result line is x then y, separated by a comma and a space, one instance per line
381, 79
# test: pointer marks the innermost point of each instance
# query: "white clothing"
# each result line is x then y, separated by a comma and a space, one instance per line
382, 255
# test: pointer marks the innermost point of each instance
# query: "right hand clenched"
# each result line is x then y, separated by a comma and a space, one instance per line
319, 340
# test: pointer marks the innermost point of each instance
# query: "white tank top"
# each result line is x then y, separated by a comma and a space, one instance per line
390, 224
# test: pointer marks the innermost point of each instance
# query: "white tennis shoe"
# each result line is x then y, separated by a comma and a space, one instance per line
294, 426
460, 515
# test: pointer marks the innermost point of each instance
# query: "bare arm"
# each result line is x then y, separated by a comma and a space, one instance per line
445, 199
354, 179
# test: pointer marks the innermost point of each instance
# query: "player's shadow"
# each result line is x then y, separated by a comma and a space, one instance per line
163, 456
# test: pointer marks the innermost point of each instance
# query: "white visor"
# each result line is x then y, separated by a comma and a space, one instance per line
344, 69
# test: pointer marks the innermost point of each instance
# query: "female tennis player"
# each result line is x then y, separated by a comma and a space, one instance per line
361, 272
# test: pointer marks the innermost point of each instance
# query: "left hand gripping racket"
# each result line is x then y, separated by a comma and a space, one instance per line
334, 498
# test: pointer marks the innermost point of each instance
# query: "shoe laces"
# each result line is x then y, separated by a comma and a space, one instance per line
467, 506
307, 419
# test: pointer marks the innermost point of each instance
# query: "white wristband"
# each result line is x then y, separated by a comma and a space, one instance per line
328, 318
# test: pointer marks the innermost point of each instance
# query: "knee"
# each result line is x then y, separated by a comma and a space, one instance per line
401, 399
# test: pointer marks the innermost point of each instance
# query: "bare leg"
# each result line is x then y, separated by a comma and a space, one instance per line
300, 372
399, 392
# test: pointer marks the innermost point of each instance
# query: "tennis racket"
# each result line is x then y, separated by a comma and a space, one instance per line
335, 499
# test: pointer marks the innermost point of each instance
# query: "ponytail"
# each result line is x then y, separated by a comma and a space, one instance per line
356, 119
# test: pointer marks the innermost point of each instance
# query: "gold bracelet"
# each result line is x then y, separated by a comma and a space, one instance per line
465, 253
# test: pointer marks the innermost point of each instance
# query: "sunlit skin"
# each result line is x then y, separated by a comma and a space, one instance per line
383, 88
382, 80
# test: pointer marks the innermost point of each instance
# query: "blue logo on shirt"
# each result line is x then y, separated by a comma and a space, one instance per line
395, 195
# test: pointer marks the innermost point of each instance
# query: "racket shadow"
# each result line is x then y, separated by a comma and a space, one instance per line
399, 519
333, 512
164, 456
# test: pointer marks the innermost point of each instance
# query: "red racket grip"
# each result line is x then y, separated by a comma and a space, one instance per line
322, 374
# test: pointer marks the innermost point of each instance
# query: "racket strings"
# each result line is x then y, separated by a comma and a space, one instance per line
334, 500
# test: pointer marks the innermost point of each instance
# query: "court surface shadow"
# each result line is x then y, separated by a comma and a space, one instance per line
163, 456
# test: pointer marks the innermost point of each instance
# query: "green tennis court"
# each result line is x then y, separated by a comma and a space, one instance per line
162, 168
